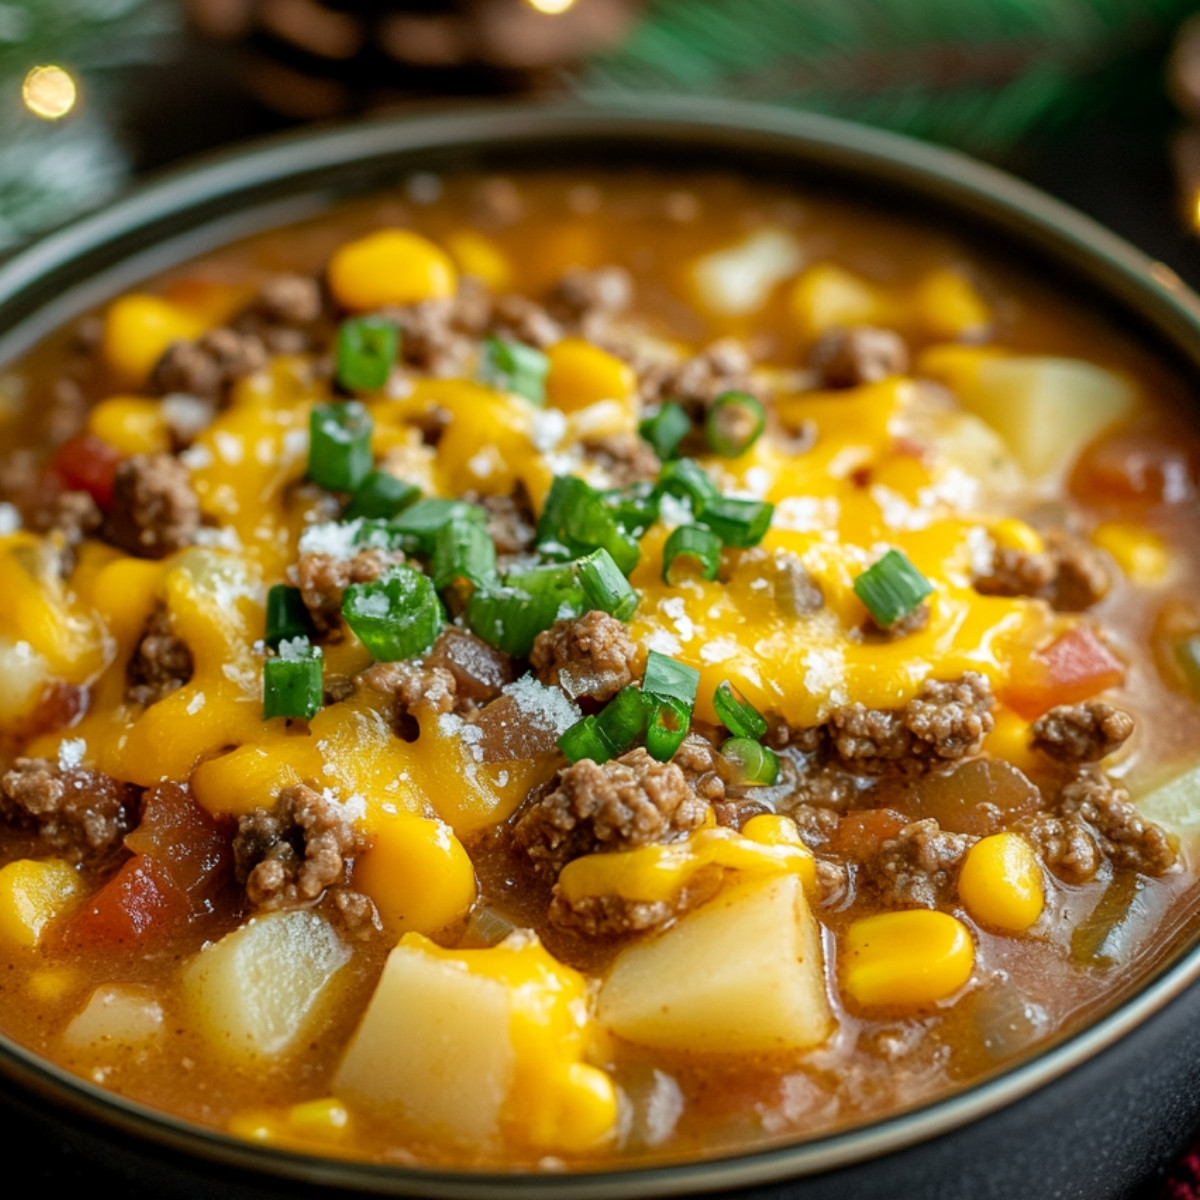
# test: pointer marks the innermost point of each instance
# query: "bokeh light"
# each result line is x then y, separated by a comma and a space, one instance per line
49, 92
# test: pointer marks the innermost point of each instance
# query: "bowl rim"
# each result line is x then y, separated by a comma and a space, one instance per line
195, 207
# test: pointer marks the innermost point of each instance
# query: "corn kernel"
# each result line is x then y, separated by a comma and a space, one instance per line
52, 984
1010, 740
131, 425
1001, 882
1013, 534
826, 296
323, 1118
946, 305
418, 874
392, 266
32, 894
255, 1126
905, 959
1139, 551
138, 328
480, 256
582, 374
582, 1115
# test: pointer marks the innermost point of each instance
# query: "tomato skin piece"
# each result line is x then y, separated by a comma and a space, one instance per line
86, 463
1075, 666
138, 903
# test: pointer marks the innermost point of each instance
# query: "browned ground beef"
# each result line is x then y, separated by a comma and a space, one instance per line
75, 810
631, 801
697, 381
74, 515
591, 655
590, 301
510, 522
1069, 574
912, 622
1088, 732
525, 320
480, 671
161, 663
1124, 836
432, 339
209, 365
703, 767
411, 686
797, 593
917, 867
288, 855
946, 721
609, 916
1066, 845
288, 299
154, 509
626, 457
322, 578
844, 358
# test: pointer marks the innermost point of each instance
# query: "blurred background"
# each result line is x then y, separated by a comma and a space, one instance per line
1097, 101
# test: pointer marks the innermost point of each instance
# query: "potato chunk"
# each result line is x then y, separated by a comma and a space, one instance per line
743, 974
115, 1019
257, 990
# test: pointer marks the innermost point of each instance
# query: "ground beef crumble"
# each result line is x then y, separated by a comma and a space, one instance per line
322, 578
1069, 574
411, 687
849, 357
696, 382
287, 856
918, 866
592, 655
76, 810
1088, 732
1124, 836
1065, 844
625, 457
161, 664
154, 510
208, 366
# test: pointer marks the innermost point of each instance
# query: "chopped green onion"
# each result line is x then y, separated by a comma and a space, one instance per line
735, 421
752, 762
514, 367
736, 713
292, 683
670, 719
636, 507
381, 496
665, 429
422, 520
695, 543
287, 616
366, 351
739, 523
372, 534
575, 520
687, 479
604, 587
463, 550
396, 616
891, 588
1187, 653
666, 677
511, 614
339, 451
622, 720
584, 740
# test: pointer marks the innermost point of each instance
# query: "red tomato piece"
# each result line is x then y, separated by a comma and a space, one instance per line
183, 839
86, 463
1135, 467
860, 834
1072, 668
138, 903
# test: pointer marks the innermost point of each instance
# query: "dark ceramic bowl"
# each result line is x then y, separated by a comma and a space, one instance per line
1096, 1114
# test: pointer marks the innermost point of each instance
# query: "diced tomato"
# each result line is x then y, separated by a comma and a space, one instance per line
1072, 668
1135, 467
86, 463
860, 833
139, 902
182, 838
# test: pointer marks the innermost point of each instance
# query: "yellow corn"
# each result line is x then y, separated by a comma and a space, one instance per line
946, 305
325, 1118
32, 894
582, 374
418, 874
583, 1114
480, 256
1001, 882
1013, 534
131, 424
138, 328
392, 266
826, 296
1139, 551
1010, 740
905, 959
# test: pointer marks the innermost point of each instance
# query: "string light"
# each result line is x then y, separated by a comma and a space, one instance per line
49, 92
552, 8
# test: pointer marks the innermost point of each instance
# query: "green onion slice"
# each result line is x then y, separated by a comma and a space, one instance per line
635, 507
292, 682
738, 523
512, 366
604, 587
584, 740
735, 421
575, 520
891, 588
687, 479
287, 616
396, 616
381, 496
463, 550
736, 713
622, 720
692, 544
421, 521
366, 350
668, 678
339, 451
670, 719
511, 614
665, 428
752, 762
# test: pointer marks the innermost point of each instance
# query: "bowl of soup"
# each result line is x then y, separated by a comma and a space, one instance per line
601, 653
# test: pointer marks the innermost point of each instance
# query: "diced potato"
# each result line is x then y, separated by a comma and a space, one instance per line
1175, 805
32, 894
256, 992
434, 1049
116, 1018
743, 974
737, 280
